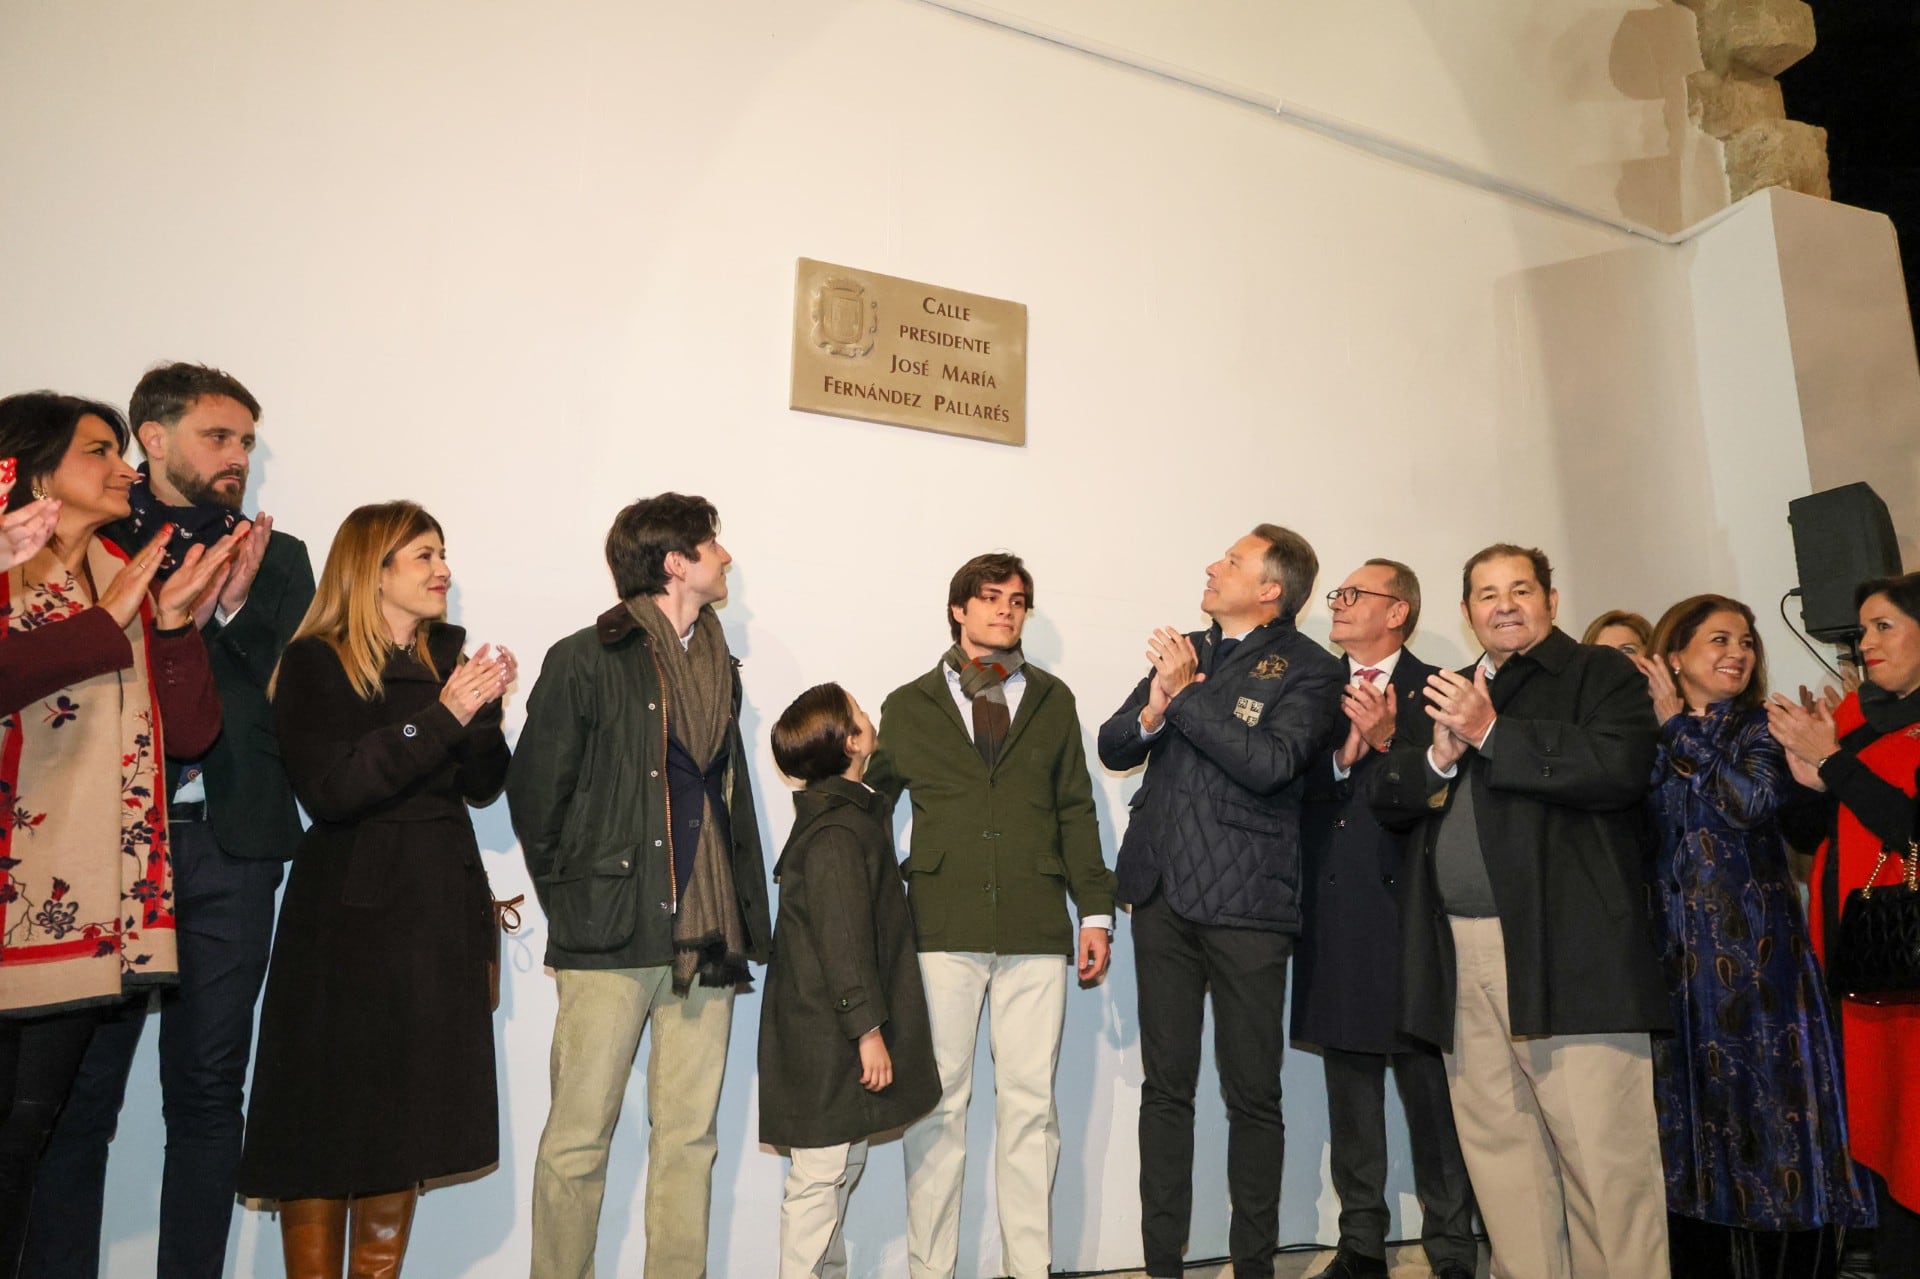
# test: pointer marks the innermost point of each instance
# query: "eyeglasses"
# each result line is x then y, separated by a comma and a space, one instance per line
1348, 596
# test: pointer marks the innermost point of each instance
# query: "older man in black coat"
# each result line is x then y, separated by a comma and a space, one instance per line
1528, 955
1346, 978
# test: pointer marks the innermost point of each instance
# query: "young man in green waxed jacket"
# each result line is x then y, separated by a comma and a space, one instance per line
631, 798
987, 747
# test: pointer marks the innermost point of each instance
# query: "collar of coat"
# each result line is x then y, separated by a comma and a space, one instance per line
1266, 633
1551, 655
1039, 684
615, 625
831, 792
444, 643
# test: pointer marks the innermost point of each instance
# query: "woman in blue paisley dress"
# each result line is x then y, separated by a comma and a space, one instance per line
1748, 1088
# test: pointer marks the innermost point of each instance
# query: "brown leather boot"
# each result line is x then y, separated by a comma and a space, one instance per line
380, 1227
313, 1237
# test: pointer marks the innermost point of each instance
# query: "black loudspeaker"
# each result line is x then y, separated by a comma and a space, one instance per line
1841, 538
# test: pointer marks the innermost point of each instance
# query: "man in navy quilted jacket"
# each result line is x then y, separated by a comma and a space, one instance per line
1228, 722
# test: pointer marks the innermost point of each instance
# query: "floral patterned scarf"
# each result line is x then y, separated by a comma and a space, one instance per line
86, 882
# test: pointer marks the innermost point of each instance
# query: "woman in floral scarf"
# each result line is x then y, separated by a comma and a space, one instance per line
90, 669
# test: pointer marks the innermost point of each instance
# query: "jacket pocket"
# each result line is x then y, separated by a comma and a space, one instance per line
1048, 864
595, 908
1247, 817
922, 869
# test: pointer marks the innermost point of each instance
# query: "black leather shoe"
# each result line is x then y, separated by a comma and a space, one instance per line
1453, 1270
1348, 1264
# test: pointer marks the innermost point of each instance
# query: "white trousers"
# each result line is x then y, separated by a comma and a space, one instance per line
1026, 1001
813, 1212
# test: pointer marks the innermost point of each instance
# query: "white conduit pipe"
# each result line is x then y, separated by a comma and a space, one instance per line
1343, 131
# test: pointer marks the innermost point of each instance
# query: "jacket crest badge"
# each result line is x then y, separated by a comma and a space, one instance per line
1272, 666
1247, 710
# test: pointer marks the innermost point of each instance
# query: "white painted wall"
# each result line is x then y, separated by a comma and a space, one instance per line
525, 264
1583, 101
1854, 367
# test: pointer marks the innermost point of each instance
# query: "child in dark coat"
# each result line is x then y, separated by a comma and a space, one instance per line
845, 1047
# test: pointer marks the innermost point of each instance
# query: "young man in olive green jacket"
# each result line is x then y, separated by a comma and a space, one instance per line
631, 797
988, 749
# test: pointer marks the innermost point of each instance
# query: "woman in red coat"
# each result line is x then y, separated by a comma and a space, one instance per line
98, 681
1865, 754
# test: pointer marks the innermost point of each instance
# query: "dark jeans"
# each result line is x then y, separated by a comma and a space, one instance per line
1177, 964
1357, 1155
224, 908
39, 1057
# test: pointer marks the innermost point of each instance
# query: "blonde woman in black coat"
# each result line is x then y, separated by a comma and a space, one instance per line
845, 1048
375, 1066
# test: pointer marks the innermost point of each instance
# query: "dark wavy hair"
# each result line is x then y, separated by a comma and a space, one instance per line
36, 429
980, 572
1903, 590
644, 533
167, 391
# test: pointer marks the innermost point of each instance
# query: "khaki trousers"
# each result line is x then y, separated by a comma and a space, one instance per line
595, 1037
813, 1212
1558, 1132
1026, 1000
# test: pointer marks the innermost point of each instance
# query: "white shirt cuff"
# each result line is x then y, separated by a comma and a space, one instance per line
1097, 921
1148, 734
1439, 771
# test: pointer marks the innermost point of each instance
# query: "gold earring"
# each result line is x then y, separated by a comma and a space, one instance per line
39, 491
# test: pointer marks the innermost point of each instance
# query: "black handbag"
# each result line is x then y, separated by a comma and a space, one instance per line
1876, 955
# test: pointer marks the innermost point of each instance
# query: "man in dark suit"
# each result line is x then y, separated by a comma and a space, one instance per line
232, 821
1528, 956
1346, 983
1228, 722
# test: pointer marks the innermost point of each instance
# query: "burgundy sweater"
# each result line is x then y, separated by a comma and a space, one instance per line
39, 663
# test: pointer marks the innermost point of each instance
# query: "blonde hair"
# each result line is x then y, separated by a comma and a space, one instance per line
346, 604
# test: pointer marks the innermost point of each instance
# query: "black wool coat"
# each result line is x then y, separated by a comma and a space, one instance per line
1216, 824
1346, 969
249, 800
374, 1070
844, 962
1558, 802
250, 804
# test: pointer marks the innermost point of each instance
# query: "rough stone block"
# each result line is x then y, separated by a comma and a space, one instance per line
1768, 36
1778, 153
1720, 105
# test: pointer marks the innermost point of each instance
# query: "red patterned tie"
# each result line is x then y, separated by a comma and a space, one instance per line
1365, 674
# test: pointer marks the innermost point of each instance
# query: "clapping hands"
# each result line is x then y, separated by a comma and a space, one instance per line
1805, 730
1371, 713
25, 531
481, 679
